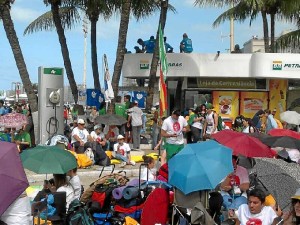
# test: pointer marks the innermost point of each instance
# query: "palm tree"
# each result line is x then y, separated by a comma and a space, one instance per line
61, 19
244, 9
17, 52
139, 9
93, 9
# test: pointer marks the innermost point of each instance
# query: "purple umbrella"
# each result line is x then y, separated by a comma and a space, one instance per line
12, 175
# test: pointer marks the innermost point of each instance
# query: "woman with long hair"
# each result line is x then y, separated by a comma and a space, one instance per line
63, 185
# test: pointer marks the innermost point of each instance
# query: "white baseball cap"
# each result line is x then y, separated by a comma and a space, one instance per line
81, 121
120, 137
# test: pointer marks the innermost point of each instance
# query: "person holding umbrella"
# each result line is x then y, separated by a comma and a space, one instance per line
293, 217
172, 129
21, 138
234, 187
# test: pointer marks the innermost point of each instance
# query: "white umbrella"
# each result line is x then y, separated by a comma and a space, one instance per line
291, 117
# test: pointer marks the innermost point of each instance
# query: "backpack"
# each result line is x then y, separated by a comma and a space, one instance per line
220, 122
121, 180
78, 214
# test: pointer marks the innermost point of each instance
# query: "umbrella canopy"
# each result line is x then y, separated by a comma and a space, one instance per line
110, 119
243, 144
12, 120
284, 132
291, 117
48, 159
281, 141
279, 177
200, 166
12, 175
224, 136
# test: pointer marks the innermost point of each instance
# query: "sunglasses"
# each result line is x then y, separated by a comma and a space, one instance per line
295, 201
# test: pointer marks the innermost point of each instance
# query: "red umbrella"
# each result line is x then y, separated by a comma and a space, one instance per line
226, 135
284, 132
243, 144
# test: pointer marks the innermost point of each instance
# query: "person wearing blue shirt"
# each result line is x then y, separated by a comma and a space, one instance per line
168, 47
142, 44
150, 45
271, 123
186, 44
2, 109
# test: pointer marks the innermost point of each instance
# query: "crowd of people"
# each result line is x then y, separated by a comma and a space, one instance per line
148, 46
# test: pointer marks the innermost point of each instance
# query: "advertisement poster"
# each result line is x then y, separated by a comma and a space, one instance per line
277, 96
251, 102
226, 103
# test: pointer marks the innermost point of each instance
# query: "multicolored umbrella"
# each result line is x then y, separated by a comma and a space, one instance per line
12, 175
200, 166
48, 159
12, 120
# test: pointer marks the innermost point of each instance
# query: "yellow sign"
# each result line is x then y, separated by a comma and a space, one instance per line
277, 96
226, 103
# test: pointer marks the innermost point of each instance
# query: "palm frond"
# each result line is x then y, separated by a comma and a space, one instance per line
69, 17
215, 3
289, 40
240, 12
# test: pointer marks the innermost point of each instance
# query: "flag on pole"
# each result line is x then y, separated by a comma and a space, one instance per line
108, 90
163, 102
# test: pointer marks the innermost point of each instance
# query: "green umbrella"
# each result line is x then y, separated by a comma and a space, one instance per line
48, 159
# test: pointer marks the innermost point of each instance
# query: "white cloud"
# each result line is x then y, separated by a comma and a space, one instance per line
24, 15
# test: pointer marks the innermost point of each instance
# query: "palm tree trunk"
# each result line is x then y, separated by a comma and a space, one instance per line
64, 49
94, 53
125, 15
17, 52
155, 57
272, 47
266, 30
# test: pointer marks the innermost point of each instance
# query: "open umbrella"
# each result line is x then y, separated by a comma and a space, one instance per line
48, 159
12, 176
243, 144
226, 135
11, 120
284, 132
281, 141
110, 119
279, 177
200, 166
291, 117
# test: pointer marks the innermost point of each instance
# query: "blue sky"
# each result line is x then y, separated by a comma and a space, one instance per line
42, 48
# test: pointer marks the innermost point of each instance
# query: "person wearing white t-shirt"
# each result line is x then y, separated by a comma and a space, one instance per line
255, 212
75, 182
135, 117
122, 151
172, 129
80, 136
62, 185
211, 122
99, 137
148, 174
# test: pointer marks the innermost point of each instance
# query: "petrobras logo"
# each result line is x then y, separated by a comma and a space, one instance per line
144, 64
287, 66
277, 65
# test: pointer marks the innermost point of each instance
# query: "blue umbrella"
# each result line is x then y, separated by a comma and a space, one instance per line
200, 166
